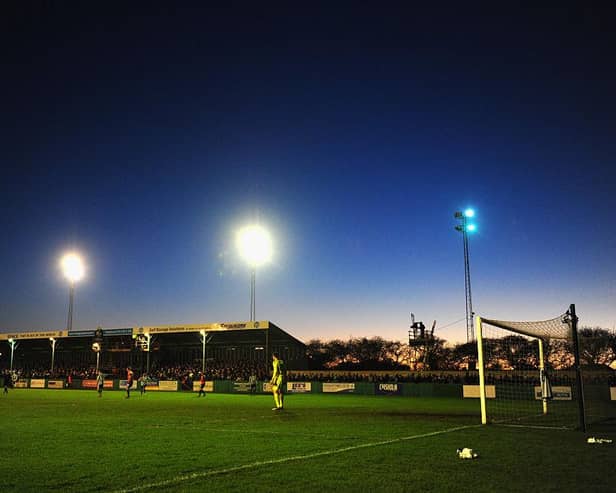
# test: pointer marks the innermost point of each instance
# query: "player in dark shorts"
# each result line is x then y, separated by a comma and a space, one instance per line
201, 385
100, 383
129, 381
143, 383
7, 382
252, 384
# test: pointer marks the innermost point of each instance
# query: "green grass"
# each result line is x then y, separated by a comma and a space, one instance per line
74, 441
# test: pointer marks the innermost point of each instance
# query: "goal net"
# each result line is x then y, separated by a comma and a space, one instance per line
528, 374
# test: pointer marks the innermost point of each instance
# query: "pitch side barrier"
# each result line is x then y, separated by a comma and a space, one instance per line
233, 387
342, 386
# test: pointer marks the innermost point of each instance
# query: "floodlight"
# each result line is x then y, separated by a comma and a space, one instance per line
72, 266
471, 228
255, 245
73, 270
469, 213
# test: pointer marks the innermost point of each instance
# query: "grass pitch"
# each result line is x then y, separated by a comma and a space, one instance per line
66, 440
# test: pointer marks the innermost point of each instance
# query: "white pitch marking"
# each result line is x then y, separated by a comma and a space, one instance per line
279, 433
204, 474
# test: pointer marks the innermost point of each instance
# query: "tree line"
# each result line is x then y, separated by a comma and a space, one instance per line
597, 350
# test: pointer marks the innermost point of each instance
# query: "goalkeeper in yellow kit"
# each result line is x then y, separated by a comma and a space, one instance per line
279, 378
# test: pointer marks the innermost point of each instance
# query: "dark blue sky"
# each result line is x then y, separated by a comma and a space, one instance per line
143, 136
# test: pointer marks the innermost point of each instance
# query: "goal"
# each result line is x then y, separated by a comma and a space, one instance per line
529, 372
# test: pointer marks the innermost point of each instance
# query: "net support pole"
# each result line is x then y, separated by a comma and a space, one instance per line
578, 370
541, 370
253, 295
482, 380
268, 356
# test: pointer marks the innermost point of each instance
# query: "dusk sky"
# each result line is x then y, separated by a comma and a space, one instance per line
143, 137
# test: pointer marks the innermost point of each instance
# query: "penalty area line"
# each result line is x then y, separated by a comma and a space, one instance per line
254, 465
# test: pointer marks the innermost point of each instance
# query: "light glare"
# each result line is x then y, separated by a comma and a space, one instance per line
255, 245
469, 213
471, 228
72, 266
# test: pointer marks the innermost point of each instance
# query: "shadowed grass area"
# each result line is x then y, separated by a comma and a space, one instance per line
74, 441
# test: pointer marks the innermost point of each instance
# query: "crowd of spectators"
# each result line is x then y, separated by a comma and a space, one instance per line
214, 370
383, 377
75, 373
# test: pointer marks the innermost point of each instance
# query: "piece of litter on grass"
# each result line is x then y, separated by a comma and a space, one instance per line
466, 453
598, 440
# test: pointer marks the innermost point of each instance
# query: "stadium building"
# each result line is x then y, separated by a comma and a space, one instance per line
148, 348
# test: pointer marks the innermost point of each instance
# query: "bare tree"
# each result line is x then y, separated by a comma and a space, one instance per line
597, 347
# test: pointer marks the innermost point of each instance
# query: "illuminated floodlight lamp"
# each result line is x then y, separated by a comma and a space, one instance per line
72, 267
254, 244
469, 213
471, 228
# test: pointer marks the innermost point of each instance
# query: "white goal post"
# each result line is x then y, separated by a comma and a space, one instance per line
520, 359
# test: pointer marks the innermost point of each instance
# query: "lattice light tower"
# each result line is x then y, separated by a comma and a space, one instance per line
466, 227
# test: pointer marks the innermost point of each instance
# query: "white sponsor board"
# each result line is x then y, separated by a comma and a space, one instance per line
55, 384
35, 335
22, 383
209, 386
299, 387
166, 386
474, 392
267, 387
338, 387
241, 387
37, 383
215, 327
558, 393
613, 393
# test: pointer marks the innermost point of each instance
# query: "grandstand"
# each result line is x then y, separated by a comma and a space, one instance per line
149, 348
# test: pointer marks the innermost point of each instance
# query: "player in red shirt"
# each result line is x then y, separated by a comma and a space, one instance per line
201, 384
129, 381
